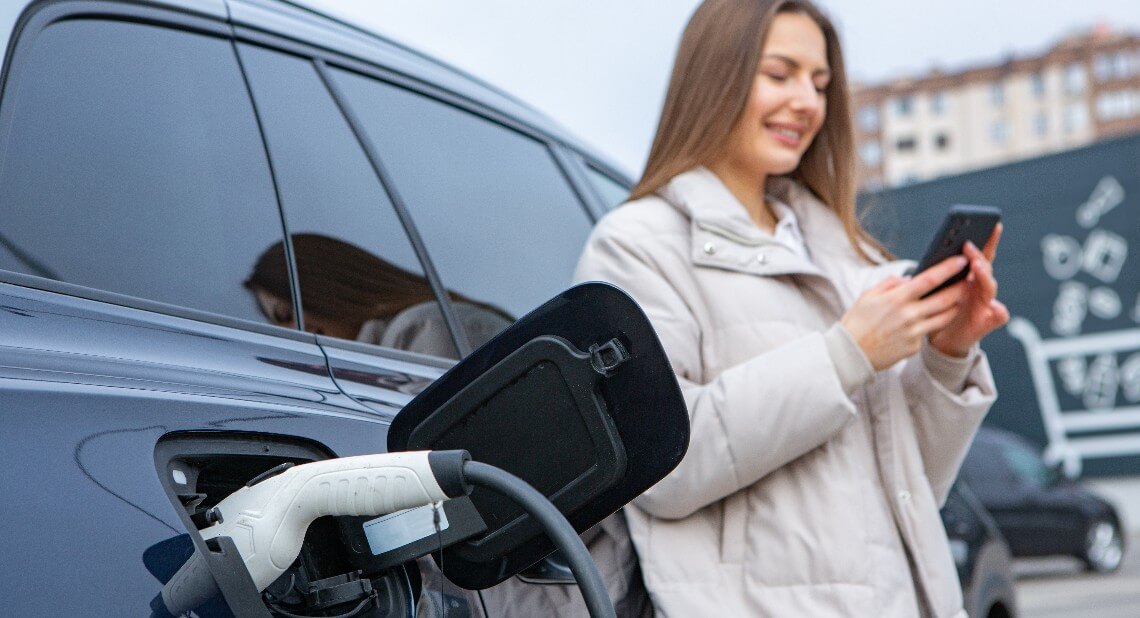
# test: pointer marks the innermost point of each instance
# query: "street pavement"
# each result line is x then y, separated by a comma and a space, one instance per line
1059, 588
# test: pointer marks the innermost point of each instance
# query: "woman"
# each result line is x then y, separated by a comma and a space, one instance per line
830, 403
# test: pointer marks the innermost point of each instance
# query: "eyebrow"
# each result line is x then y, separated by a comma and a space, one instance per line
821, 71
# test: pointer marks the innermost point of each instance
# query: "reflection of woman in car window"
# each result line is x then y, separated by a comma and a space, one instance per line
349, 293
830, 403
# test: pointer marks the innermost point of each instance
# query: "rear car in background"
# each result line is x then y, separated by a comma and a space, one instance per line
1039, 511
981, 555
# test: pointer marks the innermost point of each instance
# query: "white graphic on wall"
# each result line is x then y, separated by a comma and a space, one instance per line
1100, 370
1107, 195
1104, 303
1090, 368
1070, 308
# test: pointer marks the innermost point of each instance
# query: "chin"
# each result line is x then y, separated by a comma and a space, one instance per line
782, 165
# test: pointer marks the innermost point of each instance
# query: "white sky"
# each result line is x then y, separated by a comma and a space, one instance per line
599, 67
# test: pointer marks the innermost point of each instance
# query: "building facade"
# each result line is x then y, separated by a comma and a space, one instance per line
1085, 88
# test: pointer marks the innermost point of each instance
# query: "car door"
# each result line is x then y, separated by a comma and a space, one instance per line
137, 198
501, 223
358, 275
1053, 521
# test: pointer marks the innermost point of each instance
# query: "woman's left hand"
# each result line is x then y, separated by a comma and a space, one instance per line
980, 312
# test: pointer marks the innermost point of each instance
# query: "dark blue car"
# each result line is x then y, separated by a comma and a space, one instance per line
1039, 511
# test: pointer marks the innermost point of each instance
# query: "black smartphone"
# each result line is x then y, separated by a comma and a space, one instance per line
962, 223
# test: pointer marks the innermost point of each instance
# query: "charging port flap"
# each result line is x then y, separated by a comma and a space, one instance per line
577, 398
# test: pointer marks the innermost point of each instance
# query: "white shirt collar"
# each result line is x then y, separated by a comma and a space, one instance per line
788, 229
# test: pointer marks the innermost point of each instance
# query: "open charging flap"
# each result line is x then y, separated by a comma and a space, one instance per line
577, 398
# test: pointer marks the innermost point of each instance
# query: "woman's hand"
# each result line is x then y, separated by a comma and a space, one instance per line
890, 320
980, 312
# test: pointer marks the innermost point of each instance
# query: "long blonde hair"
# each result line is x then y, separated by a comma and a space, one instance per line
712, 77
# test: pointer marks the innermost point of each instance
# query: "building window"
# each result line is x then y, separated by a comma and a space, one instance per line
1037, 85
997, 93
869, 118
999, 132
1122, 65
1040, 124
904, 105
942, 141
1106, 106
1076, 118
938, 103
1118, 104
1102, 67
1075, 78
871, 153
905, 144
1119, 65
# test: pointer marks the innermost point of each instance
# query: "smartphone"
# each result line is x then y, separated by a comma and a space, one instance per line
962, 223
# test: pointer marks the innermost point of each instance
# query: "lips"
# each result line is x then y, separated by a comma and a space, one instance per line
788, 135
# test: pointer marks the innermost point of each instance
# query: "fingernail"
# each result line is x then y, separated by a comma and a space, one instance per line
962, 261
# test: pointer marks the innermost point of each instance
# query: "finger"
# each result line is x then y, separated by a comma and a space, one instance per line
982, 275
942, 300
1000, 311
935, 322
933, 277
887, 284
996, 316
990, 250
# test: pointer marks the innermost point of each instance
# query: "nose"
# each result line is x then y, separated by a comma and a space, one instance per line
806, 99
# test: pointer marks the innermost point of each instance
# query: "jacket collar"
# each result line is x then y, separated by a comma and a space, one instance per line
723, 236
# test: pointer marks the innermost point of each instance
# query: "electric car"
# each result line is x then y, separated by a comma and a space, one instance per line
190, 191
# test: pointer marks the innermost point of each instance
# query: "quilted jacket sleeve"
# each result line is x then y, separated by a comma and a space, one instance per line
948, 398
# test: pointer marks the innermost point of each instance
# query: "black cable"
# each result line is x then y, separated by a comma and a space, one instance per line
349, 614
560, 531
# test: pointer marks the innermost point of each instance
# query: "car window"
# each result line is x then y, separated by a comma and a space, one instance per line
611, 191
1028, 466
500, 221
359, 276
985, 470
130, 161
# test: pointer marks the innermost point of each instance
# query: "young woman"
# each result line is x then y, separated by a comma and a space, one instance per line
830, 403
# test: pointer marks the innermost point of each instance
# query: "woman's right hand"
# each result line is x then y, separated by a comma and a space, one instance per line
890, 320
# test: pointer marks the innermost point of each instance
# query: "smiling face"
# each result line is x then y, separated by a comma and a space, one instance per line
787, 102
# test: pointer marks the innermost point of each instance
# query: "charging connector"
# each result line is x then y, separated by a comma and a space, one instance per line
267, 520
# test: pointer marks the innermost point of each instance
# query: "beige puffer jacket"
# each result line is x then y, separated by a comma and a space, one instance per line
812, 484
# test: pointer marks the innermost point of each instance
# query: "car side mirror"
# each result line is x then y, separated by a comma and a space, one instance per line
577, 398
